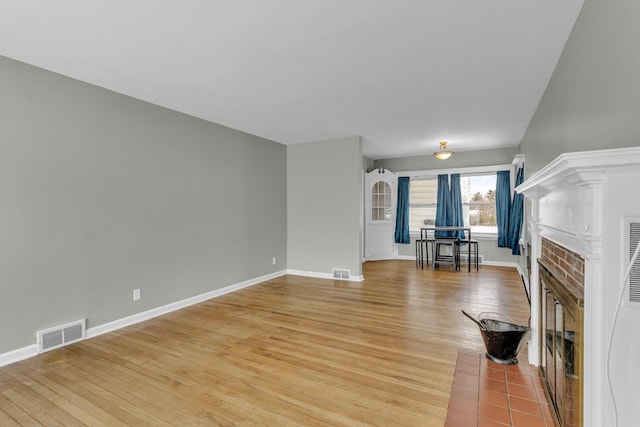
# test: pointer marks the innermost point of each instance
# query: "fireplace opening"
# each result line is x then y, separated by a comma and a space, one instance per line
569, 343
561, 342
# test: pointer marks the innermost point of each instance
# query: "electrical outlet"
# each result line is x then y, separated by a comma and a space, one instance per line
136, 294
273, 261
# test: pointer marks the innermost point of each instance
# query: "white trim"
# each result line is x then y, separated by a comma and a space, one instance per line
518, 160
18, 354
32, 350
159, 311
318, 275
484, 236
522, 274
525, 279
501, 264
433, 173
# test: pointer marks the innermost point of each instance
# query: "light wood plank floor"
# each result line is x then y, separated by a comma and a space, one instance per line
292, 351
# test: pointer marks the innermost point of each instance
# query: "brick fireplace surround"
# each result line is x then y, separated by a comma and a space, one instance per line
564, 261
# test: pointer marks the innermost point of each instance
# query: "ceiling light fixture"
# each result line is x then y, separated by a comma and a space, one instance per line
443, 154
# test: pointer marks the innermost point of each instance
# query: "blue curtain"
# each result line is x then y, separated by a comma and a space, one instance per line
515, 218
455, 206
503, 207
442, 210
402, 212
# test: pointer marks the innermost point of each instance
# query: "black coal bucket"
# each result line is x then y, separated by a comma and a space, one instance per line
502, 337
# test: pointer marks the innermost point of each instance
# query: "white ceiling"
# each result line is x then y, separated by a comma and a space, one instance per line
402, 74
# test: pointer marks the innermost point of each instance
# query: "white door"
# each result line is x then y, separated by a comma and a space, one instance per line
381, 189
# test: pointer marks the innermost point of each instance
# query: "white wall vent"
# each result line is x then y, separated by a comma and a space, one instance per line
634, 276
58, 336
341, 274
464, 258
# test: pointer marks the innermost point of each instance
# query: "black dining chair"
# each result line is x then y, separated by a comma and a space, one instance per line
422, 248
473, 249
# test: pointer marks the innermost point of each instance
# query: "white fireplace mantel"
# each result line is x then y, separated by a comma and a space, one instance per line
581, 168
580, 201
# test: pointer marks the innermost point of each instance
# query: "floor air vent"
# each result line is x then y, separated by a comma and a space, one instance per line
341, 274
52, 338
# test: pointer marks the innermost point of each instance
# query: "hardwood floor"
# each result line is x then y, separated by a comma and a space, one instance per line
288, 352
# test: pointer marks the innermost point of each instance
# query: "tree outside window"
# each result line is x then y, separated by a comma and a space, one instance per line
479, 202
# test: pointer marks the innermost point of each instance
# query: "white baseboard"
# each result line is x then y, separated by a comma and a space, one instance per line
18, 354
32, 350
322, 275
524, 275
501, 264
525, 280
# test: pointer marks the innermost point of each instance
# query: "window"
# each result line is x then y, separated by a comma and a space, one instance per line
381, 201
478, 202
423, 197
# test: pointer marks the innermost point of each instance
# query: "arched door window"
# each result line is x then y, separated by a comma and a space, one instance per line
381, 201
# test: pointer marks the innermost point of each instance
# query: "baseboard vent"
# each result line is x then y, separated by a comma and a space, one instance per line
58, 336
341, 274
465, 257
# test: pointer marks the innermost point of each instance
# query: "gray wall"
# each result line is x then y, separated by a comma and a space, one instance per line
367, 164
593, 98
102, 194
324, 205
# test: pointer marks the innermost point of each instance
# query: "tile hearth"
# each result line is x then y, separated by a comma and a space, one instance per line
485, 393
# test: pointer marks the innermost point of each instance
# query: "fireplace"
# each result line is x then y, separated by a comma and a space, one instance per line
579, 208
561, 341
